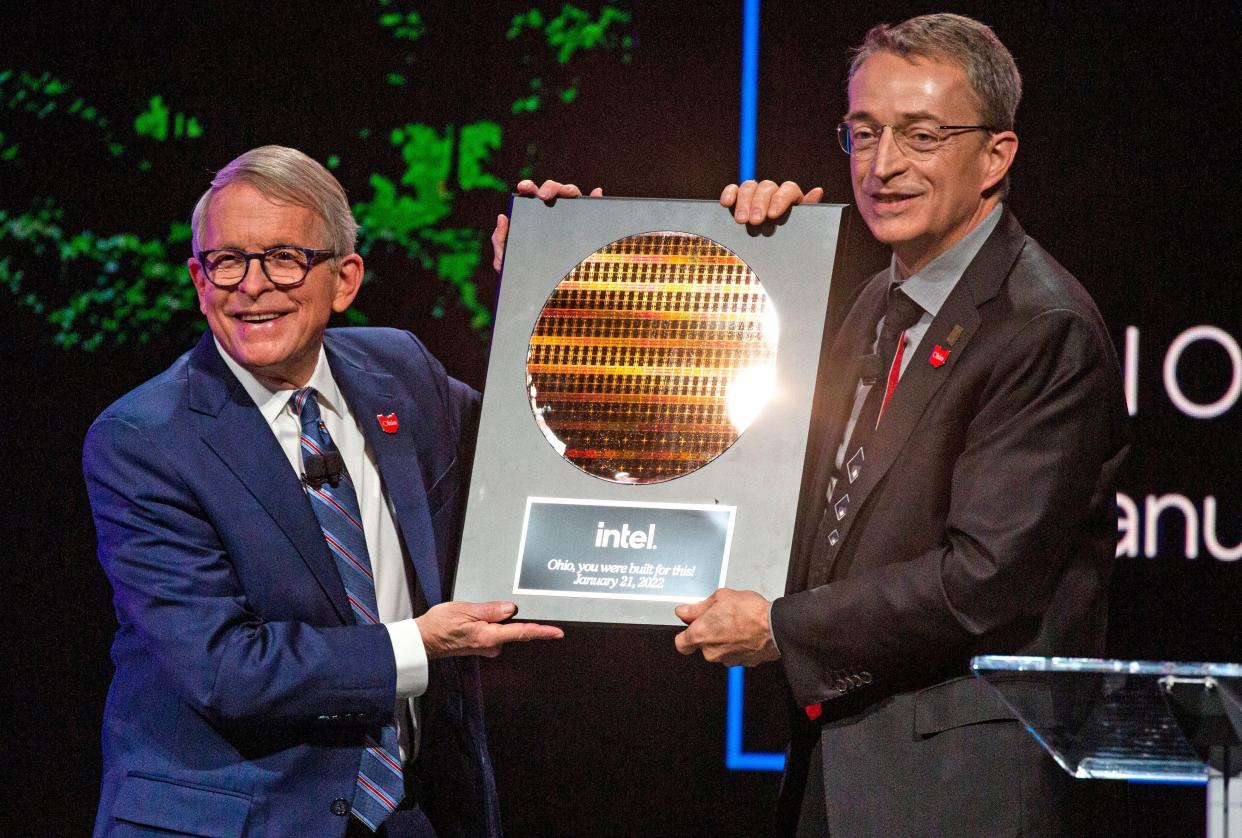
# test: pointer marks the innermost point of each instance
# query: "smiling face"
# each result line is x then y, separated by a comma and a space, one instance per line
275, 333
922, 207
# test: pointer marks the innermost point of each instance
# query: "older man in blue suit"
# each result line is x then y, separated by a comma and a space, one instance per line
278, 515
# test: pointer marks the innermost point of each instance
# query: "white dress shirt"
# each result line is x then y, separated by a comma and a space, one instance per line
392, 588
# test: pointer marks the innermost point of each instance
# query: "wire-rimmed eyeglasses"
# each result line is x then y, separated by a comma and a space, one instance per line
916, 141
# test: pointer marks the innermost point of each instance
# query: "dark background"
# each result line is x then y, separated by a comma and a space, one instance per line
1126, 173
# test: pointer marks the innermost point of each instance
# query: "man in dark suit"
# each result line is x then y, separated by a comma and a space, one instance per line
285, 656
962, 496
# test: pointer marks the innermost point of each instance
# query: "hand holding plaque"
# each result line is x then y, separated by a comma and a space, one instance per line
729, 627
755, 202
476, 628
549, 190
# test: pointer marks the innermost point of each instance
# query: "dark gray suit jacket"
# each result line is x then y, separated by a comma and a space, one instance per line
985, 523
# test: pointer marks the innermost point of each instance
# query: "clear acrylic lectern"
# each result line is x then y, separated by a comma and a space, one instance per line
1134, 720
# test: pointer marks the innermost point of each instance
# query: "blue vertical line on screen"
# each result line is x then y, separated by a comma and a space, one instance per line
750, 90
737, 759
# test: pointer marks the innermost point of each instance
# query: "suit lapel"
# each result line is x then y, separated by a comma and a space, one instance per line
921, 380
235, 430
371, 394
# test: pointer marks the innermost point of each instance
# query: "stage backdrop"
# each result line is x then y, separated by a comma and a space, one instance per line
113, 118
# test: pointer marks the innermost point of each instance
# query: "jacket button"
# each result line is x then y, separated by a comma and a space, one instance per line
340, 806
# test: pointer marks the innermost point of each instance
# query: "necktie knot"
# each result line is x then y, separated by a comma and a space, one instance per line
901, 312
306, 406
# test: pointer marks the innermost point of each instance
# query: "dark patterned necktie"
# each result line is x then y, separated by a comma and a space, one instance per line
380, 785
900, 314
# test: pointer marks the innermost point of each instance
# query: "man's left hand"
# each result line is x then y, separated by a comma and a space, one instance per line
549, 190
729, 627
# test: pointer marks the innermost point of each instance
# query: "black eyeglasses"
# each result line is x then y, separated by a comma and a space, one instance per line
286, 265
917, 141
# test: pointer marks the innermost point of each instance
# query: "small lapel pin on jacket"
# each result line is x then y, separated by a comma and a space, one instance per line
388, 424
954, 334
938, 356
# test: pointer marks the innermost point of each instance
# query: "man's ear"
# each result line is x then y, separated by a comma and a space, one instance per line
348, 280
999, 156
201, 285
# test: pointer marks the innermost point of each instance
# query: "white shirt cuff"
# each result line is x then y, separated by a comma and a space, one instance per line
411, 658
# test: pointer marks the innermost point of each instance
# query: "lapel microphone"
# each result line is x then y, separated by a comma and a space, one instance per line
869, 368
323, 468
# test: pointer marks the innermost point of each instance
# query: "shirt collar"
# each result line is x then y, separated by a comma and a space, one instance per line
931, 286
271, 402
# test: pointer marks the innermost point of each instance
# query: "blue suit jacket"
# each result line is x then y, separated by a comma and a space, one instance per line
243, 687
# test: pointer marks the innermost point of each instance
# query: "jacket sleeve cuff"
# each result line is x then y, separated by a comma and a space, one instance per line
772, 628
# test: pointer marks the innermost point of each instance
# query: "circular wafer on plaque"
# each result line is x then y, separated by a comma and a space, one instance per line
651, 357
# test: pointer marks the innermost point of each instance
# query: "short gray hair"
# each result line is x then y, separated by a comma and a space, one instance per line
989, 67
287, 176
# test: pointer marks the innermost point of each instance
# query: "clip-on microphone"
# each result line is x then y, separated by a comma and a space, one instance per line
323, 468
869, 368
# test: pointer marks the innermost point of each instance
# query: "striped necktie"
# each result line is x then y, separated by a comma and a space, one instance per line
380, 784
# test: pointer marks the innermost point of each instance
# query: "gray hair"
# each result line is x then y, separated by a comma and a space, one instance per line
989, 67
286, 176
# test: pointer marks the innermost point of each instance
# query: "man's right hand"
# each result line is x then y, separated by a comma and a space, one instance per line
754, 202
475, 628
549, 191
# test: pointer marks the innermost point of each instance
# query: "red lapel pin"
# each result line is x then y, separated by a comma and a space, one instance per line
938, 356
388, 424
